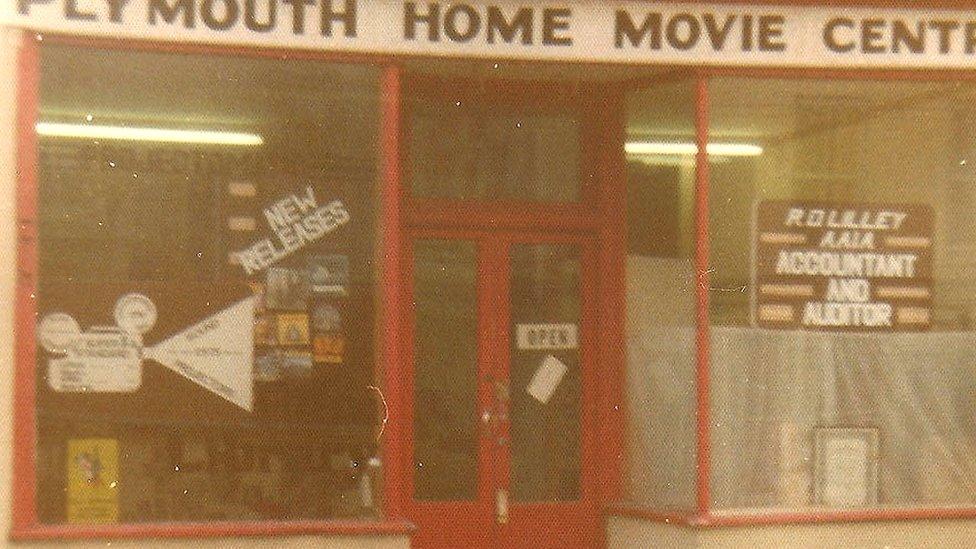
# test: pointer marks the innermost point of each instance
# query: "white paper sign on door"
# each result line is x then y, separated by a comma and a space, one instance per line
546, 337
546, 379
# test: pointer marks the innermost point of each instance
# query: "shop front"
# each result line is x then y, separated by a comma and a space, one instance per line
468, 274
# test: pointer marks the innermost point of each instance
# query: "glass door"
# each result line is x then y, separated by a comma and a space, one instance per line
501, 361
449, 456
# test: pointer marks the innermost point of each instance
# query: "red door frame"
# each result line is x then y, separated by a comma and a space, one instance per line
562, 517
601, 211
598, 213
464, 519
24, 513
473, 523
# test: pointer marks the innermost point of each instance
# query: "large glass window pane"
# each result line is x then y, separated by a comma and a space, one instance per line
660, 468
206, 288
842, 246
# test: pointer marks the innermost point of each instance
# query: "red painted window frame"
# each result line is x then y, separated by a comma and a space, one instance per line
24, 523
704, 515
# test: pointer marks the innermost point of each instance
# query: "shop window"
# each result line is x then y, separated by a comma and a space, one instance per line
660, 467
842, 345
206, 289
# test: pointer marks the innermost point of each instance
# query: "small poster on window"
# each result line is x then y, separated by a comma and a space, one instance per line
283, 364
326, 317
292, 329
295, 364
286, 289
329, 274
92, 481
329, 348
257, 288
846, 469
265, 329
267, 368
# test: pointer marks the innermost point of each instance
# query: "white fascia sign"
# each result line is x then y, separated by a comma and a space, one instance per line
653, 33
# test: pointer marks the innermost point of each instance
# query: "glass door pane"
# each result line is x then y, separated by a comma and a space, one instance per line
446, 370
545, 372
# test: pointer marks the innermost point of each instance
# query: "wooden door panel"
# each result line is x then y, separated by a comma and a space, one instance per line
553, 527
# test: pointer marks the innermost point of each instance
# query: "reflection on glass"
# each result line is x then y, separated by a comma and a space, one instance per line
660, 468
446, 366
850, 145
545, 451
119, 214
468, 151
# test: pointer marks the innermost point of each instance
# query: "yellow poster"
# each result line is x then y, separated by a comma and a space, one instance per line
292, 329
93, 476
329, 348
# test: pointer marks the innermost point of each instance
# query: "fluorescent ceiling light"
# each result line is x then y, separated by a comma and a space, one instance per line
688, 149
128, 133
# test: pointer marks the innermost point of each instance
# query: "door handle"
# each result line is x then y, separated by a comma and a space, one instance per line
502, 397
501, 506
489, 426
497, 411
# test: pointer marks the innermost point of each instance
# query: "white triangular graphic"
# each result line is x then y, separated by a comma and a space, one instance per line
215, 353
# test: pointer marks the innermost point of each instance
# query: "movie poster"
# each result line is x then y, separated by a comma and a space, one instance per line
92, 481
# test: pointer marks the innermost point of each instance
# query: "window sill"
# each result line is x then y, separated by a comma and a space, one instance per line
754, 517
629, 510
214, 529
